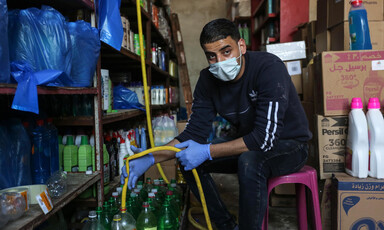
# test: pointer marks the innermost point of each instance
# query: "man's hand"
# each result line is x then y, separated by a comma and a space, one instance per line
194, 154
137, 167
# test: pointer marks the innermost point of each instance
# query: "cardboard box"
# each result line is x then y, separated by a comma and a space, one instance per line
331, 137
312, 10
295, 71
322, 16
325, 206
357, 203
311, 39
340, 76
169, 169
308, 83
181, 126
323, 41
341, 31
288, 51
338, 11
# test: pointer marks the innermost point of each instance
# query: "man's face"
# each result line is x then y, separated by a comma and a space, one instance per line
224, 49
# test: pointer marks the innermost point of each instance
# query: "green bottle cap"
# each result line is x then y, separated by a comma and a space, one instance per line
70, 140
60, 139
84, 140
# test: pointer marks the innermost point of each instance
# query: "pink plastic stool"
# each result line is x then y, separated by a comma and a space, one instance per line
307, 176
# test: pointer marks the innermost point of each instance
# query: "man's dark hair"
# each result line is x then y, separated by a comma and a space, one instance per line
218, 29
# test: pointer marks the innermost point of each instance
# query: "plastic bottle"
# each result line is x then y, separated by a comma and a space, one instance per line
161, 95
240, 30
128, 143
166, 220
127, 221
155, 207
93, 223
54, 146
376, 139
61, 151
132, 208
246, 34
360, 38
85, 155
105, 220
40, 155
113, 204
116, 223
70, 156
123, 154
143, 139
357, 152
146, 220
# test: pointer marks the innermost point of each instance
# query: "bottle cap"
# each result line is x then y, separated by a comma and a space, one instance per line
40, 122
151, 195
356, 103
154, 190
25, 124
374, 103
88, 172
145, 204
169, 192
119, 190
92, 214
115, 194
70, 140
84, 140
356, 2
49, 120
116, 218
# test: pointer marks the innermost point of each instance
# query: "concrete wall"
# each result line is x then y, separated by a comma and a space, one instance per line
193, 15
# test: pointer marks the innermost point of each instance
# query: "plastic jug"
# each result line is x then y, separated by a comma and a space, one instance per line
40, 154
360, 38
54, 146
70, 156
376, 139
357, 152
85, 155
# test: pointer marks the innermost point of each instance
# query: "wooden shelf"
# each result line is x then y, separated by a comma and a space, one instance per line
77, 183
121, 115
265, 21
160, 71
258, 8
166, 106
11, 89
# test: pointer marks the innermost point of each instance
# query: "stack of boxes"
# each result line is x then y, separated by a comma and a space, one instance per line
331, 76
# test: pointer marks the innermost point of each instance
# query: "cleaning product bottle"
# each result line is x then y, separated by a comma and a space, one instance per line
246, 34
360, 38
357, 152
70, 156
143, 139
376, 139
123, 153
85, 155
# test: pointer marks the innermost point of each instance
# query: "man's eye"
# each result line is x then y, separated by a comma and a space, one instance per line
227, 52
210, 57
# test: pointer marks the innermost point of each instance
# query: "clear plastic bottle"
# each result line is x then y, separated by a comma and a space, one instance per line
127, 220
376, 139
167, 220
357, 151
40, 154
360, 38
146, 220
116, 223
93, 223
54, 146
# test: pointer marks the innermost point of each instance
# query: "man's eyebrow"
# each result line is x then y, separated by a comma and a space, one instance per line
223, 48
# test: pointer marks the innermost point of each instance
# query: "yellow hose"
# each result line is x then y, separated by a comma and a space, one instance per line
150, 132
170, 148
145, 86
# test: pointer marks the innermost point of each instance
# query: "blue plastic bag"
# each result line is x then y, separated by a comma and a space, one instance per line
15, 154
124, 98
4, 52
85, 52
110, 25
40, 38
26, 93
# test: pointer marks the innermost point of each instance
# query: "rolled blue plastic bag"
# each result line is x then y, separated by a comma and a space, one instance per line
26, 92
110, 25
124, 98
40, 38
4, 51
85, 52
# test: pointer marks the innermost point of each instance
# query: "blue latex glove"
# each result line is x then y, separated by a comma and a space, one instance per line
194, 154
137, 167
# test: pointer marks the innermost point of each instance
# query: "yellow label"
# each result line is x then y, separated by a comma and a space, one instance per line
45, 201
154, 228
25, 195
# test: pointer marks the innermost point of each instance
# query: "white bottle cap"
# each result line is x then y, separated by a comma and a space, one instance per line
115, 194
88, 172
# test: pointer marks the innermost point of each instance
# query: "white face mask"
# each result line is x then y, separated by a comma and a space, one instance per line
226, 70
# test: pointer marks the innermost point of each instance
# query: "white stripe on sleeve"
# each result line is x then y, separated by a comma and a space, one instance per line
268, 125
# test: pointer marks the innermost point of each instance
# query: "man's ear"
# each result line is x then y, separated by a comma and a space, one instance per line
243, 46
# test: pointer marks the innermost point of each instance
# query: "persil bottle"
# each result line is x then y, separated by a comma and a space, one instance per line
376, 139
357, 152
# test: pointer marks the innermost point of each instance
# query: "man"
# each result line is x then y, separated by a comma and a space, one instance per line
253, 91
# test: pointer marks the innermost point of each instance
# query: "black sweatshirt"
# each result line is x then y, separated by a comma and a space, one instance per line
262, 105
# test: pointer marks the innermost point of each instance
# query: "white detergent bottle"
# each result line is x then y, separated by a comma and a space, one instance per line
376, 139
357, 152
123, 153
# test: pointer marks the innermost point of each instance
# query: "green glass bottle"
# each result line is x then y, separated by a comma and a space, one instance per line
132, 208
152, 202
146, 220
112, 208
167, 219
